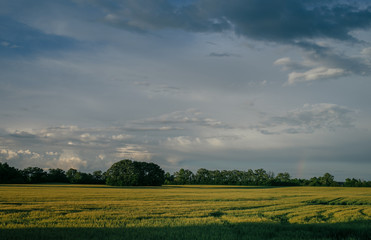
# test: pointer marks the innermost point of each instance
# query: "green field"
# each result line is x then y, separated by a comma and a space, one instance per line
183, 212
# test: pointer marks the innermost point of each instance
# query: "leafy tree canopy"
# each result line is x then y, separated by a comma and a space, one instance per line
132, 173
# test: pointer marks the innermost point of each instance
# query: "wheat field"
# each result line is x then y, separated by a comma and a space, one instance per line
183, 212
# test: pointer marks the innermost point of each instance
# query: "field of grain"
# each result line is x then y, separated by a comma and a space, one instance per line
183, 212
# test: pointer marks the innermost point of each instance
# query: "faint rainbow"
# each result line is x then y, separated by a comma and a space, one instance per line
300, 168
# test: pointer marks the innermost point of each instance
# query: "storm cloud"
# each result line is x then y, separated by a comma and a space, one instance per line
269, 20
296, 23
195, 83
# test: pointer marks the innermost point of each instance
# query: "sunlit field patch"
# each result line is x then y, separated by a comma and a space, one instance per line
175, 208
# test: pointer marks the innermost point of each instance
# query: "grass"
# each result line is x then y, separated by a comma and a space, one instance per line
183, 212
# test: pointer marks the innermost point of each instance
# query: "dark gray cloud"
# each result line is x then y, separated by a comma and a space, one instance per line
132, 15
286, 21
215, 54
269, 20
22, 134
291, 22
17, 38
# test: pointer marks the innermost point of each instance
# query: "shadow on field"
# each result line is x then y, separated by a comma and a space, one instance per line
220, 187
255, 231
69, 185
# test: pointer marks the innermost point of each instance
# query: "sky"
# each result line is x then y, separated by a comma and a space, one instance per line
240, 84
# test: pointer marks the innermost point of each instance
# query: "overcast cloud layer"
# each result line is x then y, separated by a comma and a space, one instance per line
240, 84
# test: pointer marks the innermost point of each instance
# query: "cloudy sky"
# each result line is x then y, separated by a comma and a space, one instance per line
239, 84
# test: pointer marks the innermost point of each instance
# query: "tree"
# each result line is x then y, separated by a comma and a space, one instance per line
57, 175
203, 176
75, 176
183, 177
216, 177
131, 173
235, 177
261, 177
283, 179
314, 181
10, 174
85, 178
34, 175
72, 175
327, 180
150, 174
122, 173
248, 178
98, 177
169, 179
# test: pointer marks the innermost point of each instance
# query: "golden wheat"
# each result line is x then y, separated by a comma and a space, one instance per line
95, 206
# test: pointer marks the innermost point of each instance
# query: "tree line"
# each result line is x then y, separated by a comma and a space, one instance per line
258, 177
10, 174
122, 173
132, 173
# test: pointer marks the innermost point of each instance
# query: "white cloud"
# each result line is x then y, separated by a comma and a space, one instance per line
36, 156
5, 44
215, 142
189, 116
86, 137
25, 152
70, 128
366, 52
190, 144
8, 154
134, 152
68, 159
121, 137
173, 160
289, 65
183, 142
322, 62
60, 144
314, 74
51, 153
8, 45
56, 132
